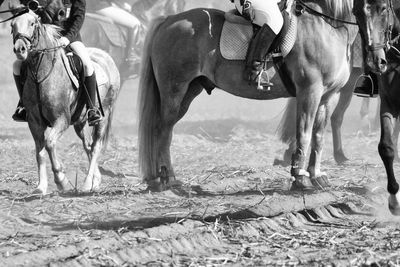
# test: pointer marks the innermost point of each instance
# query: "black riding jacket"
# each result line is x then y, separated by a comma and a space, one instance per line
73, 24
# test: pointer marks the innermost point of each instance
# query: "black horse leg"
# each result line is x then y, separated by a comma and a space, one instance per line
387, 152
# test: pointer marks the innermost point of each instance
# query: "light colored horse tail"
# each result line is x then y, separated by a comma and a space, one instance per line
287, 126
149, 109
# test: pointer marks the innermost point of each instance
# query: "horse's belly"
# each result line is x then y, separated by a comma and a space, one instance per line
229, 77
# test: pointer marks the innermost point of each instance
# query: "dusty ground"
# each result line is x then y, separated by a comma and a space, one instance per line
234, 208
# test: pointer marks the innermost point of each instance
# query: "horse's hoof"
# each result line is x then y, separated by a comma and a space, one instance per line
282, 163
88, 188
301, 183
155, 185
394, 204
62, 186
159, 185
38, 192
320, 182
340, 158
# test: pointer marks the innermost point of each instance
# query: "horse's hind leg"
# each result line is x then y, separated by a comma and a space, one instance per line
346, 94
93, 179
83, 131
52, 134
172, 110
318, 178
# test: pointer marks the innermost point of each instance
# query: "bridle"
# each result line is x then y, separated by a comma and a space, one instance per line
388, 41
32, 43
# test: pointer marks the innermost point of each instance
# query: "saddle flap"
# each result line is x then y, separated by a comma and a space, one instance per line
237, 33
116, 34
74, 77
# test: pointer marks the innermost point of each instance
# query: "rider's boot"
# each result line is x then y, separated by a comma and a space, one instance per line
258, 49
94, 114
20, 112
131, 65
368, 87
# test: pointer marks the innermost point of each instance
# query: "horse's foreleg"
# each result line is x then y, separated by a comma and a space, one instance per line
308, 101
52, 134
41, 162
386, 151
395, 137
346, 94
318, 178
37, 132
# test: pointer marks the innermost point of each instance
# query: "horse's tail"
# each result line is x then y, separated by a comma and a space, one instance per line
287, 126
149, 109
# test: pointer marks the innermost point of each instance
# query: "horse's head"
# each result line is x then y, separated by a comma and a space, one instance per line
24, 29
375, 19
51, 11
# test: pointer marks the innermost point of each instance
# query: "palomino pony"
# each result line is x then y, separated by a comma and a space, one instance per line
182, 57
52, 102
382, 54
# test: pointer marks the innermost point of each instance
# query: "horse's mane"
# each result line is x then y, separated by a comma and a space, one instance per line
51, 33
339, 9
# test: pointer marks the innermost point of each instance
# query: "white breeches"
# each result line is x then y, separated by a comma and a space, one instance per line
120, 16
263, 12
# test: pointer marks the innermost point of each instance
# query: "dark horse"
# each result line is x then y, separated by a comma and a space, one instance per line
376, 19
182, 57
52, 102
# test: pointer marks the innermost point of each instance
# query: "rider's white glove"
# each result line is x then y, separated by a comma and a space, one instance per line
64, 41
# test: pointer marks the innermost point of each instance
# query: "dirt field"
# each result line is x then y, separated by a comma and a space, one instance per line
234, 208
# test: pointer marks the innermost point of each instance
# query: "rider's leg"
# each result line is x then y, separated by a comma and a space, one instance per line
135, 37
257, 51
267, 15
94, 114
20, 112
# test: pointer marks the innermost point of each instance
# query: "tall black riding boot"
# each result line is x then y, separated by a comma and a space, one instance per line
94, 114
368, 87
258, 49
20, 112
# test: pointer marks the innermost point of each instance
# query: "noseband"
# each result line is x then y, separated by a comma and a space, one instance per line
32, 48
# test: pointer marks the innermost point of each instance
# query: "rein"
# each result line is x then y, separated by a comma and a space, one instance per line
18, 12
320, 14
41, 52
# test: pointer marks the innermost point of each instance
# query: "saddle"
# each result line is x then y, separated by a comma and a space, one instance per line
116, 34
74, 67
237, 33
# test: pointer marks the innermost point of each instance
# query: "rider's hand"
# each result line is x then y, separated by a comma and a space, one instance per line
64, 41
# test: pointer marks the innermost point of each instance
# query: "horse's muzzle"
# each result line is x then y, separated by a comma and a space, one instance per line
20, 49
377, 62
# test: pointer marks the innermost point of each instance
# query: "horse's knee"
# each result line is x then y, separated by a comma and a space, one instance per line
386, 150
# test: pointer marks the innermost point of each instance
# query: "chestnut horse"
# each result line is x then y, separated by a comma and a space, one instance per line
181, 57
